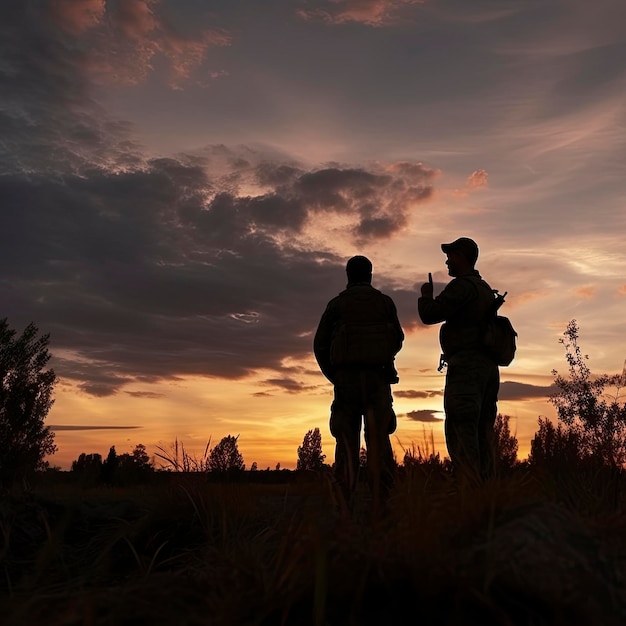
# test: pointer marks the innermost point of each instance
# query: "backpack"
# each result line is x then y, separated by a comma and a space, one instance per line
365, 335
499, 336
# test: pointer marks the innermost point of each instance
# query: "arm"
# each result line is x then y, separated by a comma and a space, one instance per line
393, 314
453, 298
322, 341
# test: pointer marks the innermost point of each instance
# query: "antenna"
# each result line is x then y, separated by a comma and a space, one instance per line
624, 373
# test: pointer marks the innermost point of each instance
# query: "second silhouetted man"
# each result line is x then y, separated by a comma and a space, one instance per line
472, 379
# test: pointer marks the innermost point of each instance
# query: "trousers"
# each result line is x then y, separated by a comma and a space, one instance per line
363, 397
470, 404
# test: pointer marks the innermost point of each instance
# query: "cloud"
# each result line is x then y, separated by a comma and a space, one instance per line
423, 415
571, 29
152, 273
587, 292
49, 120
287, 384
477, 180
122, 40
145, 394
511, 391
372, 202
413, 394
216, 263
59, 427
76, 16
368, 12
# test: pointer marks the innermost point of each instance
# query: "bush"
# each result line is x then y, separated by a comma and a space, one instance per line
595, 419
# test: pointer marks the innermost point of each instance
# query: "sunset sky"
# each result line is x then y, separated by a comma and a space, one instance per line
182, 182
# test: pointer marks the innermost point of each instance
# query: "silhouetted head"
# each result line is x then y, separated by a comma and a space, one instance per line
359, 270
462, 256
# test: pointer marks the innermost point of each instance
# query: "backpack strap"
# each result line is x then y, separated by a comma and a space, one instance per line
498, 299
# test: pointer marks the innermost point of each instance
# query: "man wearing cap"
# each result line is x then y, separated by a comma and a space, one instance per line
472, 378
356, 340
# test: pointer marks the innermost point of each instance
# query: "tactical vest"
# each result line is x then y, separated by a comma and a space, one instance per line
364, 335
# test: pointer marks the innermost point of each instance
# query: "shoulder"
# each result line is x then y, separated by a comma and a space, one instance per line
387, 299
477, 282
376, 293
480, 285
331, 306
461, 285
333, 303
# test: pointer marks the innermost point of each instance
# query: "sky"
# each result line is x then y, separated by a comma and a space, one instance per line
182, 183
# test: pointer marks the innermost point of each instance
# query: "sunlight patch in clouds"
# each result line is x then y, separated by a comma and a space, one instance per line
478, 179
589, 260
76, 16
368, 12
123, 40
588, 292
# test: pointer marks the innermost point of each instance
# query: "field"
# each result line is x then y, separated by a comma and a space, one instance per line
531, 547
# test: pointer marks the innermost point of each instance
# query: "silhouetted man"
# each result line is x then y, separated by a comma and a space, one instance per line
472, 379
356, 341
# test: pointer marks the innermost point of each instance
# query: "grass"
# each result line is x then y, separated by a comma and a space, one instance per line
530, 547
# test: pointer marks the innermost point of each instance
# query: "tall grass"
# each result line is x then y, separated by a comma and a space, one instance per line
527, 548
178, 459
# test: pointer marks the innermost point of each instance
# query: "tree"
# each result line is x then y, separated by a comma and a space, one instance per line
87, 463
140, 458
133, 467
505, 444
26, 388
225, 456
88, 467
554, 446
584, 406
310, 455
109, 467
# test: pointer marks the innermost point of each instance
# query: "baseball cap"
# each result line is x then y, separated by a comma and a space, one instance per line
465, 245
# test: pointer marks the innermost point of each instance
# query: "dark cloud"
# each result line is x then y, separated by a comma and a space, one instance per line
56, 428
277, 175
135, 278
383, 226
338, 189
276, 211
144, 394
413, 393
510, 390
47, 118
287, 384
423, 415
142, 268
148, 273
